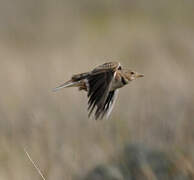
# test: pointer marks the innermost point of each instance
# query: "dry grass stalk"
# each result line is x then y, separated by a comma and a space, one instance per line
34, 164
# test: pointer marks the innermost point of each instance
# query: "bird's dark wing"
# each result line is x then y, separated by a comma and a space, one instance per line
99, 83
98, 89
108, 105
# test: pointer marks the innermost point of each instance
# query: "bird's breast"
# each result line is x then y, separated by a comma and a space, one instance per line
116, 83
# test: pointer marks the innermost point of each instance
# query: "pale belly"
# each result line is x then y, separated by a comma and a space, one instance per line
116, 84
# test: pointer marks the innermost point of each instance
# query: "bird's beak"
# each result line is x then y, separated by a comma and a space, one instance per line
139, 75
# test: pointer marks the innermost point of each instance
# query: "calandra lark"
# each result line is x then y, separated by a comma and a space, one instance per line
101, 85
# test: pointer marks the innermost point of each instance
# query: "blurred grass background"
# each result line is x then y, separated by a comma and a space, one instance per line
42, 43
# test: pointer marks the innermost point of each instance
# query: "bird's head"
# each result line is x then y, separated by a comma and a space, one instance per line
131, 75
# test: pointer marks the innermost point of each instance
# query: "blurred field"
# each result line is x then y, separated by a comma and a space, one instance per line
43, 43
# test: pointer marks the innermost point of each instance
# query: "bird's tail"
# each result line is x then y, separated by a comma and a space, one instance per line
69, 83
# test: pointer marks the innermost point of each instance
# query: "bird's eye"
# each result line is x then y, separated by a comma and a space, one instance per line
119, 68
132, 73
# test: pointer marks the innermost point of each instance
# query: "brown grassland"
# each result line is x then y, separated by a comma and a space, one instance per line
42, 43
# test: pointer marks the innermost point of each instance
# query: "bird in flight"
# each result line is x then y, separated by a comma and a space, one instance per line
101, 85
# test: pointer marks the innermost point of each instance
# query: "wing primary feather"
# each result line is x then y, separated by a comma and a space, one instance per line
107, 103
99, 84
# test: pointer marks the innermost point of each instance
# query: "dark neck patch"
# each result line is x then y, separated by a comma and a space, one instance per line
123, 81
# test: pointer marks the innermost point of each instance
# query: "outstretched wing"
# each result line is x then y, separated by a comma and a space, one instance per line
99, 83
107, 66
109, 103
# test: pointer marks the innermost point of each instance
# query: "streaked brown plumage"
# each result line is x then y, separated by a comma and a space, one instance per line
102, 84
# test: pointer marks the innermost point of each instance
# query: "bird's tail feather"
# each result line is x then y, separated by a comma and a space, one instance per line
67, 84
